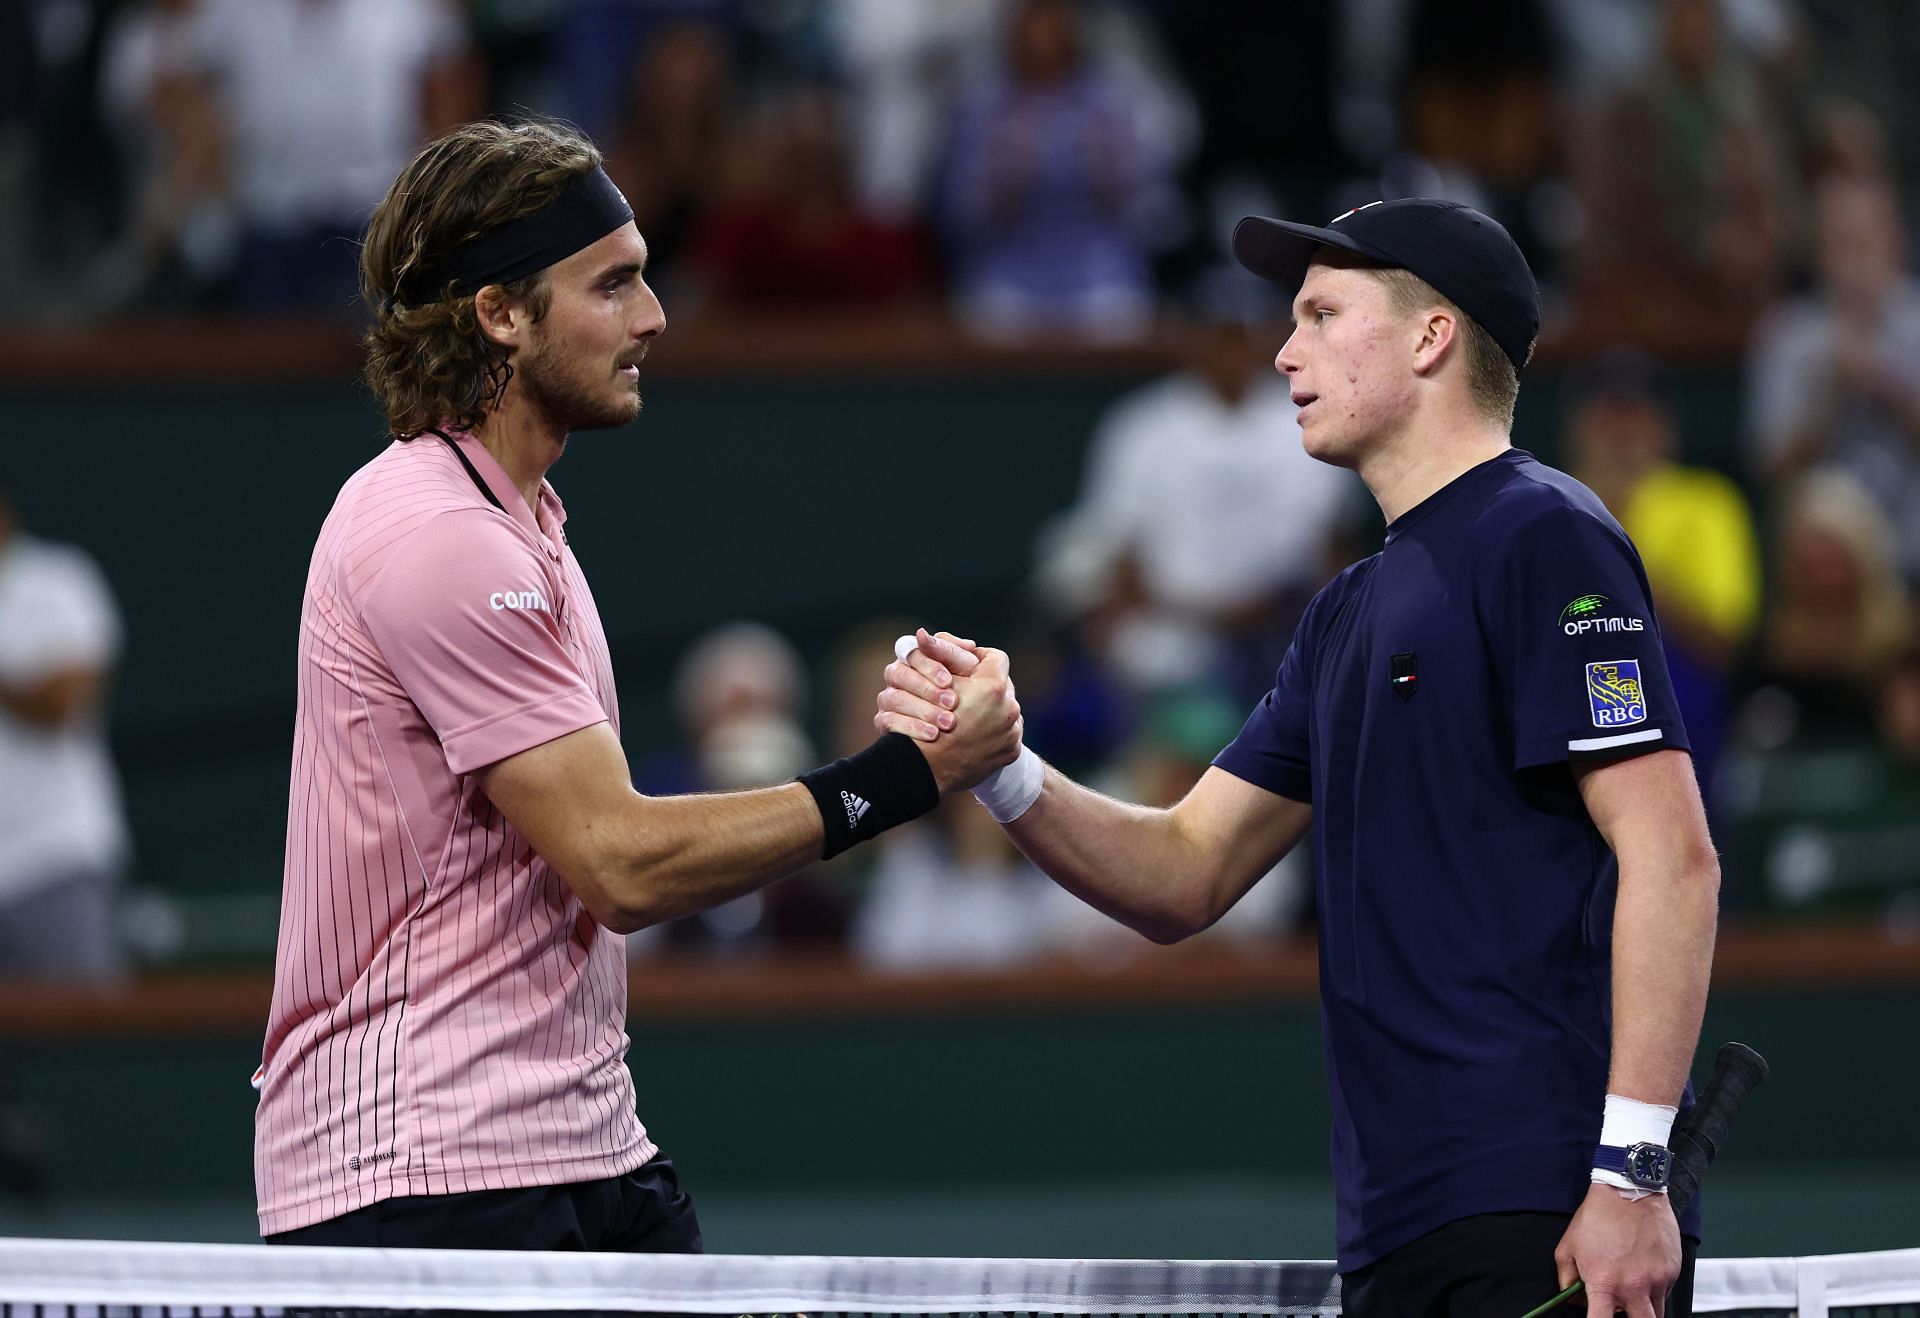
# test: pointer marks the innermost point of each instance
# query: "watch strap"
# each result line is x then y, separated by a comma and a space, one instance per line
1647, 1166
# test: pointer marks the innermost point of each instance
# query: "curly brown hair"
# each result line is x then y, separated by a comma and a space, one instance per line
427, 361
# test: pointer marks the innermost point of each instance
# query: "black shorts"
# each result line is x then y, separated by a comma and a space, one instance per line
1491, 1264
643, 1212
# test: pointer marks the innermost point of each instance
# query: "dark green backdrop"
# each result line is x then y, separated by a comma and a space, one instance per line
811, 504
1197, 1131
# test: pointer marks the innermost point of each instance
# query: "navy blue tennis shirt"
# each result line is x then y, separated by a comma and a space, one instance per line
1429, 708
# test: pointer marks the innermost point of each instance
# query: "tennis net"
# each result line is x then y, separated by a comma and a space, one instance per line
118, 1279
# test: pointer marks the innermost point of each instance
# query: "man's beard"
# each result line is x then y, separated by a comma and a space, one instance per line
570, 402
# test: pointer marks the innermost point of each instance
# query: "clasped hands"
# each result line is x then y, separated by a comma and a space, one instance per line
956, 699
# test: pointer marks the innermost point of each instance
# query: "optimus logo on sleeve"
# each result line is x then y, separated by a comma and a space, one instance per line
1582, 615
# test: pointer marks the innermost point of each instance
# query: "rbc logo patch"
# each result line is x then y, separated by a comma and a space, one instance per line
1614, 694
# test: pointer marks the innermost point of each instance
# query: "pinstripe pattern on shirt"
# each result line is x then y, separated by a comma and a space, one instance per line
446, 1015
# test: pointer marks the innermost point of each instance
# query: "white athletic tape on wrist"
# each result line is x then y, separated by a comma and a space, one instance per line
1006, 793
1010, 792
1627, 1122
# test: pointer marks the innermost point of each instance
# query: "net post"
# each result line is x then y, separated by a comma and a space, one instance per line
1810, 1278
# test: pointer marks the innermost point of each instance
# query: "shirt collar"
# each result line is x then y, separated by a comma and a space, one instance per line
511, 500
1465, 480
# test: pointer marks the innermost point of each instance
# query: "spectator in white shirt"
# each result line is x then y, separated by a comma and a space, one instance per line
1202, 519
952, 893
1831, 378
63, 842
322, 102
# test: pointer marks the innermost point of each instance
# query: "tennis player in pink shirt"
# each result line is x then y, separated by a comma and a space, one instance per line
445, 1059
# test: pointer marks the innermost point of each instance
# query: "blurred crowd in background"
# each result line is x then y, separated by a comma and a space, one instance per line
1034, 164
1719, 183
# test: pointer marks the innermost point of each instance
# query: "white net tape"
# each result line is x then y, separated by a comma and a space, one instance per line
84, 1277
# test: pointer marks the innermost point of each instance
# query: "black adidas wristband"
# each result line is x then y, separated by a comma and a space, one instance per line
866, 794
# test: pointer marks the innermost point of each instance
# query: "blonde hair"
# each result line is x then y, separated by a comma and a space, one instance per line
1492, 379
428, 363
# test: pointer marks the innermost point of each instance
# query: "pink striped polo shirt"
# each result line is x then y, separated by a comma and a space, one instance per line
446, 1014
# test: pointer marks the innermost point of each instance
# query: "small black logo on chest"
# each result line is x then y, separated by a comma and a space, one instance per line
1406, 674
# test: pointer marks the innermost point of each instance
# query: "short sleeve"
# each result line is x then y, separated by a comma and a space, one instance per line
463, 612
1570, 617
1273, 748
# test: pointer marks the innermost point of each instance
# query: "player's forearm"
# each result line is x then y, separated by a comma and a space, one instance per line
1129, 862
1663, 932
682, 854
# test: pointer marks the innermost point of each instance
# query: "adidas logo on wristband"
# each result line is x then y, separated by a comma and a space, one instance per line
867, 793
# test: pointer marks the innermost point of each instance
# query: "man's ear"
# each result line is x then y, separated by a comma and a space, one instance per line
502, 320
1439, 331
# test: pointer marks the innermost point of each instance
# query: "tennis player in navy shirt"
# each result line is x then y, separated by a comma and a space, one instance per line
1517, 890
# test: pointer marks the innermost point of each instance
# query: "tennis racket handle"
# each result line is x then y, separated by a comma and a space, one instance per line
1737, 1072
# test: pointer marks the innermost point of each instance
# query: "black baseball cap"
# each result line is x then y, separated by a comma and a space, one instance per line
1467, 256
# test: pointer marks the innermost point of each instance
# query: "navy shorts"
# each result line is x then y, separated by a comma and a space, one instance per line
643, 1212
1484, 1266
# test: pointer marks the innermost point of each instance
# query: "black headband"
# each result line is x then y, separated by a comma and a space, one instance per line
585, 211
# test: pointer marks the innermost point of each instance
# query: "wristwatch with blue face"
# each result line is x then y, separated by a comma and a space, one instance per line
1648, 1166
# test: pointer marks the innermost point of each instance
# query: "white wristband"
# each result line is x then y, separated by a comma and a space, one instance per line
1007, 793
1627, 1122
1010, 792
